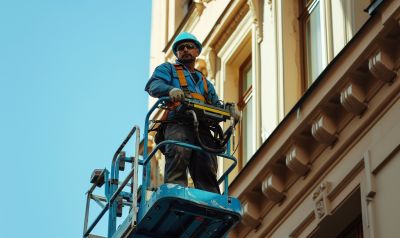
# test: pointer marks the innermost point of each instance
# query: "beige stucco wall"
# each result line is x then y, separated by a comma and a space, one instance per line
385, 165
386, 203
381, 144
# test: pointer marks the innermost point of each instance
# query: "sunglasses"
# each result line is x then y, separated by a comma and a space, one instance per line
189, 46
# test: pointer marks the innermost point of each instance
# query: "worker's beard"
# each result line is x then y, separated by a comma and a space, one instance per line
187, 60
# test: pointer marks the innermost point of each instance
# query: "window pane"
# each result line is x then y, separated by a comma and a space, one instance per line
247, 79
348, 17
314, 44
247, 136
358, 15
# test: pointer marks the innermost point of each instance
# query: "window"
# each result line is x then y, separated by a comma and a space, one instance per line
313, 40
246, 106
352, 19
327, 26
178, 12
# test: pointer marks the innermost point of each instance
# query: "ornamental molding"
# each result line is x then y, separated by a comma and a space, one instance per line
256, 8
381, 66
273, 188
324, 129
211, 60
297, 160
231, 26
352, 98
251, 214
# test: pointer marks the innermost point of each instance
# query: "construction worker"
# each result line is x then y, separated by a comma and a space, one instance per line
167, 80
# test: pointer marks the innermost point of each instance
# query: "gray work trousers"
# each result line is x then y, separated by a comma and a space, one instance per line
202, 166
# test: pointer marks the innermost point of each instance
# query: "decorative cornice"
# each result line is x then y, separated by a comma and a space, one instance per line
297, 160
272, 187
352, 98
324, 129
381, 66
251, 214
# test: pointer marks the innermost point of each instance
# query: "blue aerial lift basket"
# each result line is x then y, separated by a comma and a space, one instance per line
169, 210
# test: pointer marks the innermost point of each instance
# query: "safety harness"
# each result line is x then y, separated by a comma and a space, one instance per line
184, 85
185, 88
211, 115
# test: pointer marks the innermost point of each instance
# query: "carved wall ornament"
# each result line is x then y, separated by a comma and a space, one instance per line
324, 129
321, 202
256, 8
297, 160
272, 187
352, 98
381, 66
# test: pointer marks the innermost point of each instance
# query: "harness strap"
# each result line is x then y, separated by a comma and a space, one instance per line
198, 97
205, 85
185, 88
182, 79
183, 83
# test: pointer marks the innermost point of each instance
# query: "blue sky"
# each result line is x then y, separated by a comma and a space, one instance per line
72, 75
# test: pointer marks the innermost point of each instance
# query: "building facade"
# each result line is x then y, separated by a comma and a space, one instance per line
318, 85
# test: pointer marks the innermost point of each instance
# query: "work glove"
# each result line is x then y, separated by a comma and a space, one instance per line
235, 113
176, 95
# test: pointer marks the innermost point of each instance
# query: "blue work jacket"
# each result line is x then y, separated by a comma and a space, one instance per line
166, 78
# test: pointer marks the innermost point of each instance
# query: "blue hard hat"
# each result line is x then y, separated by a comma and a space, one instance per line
185, 36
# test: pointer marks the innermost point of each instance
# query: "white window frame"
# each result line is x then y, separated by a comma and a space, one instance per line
226, 55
